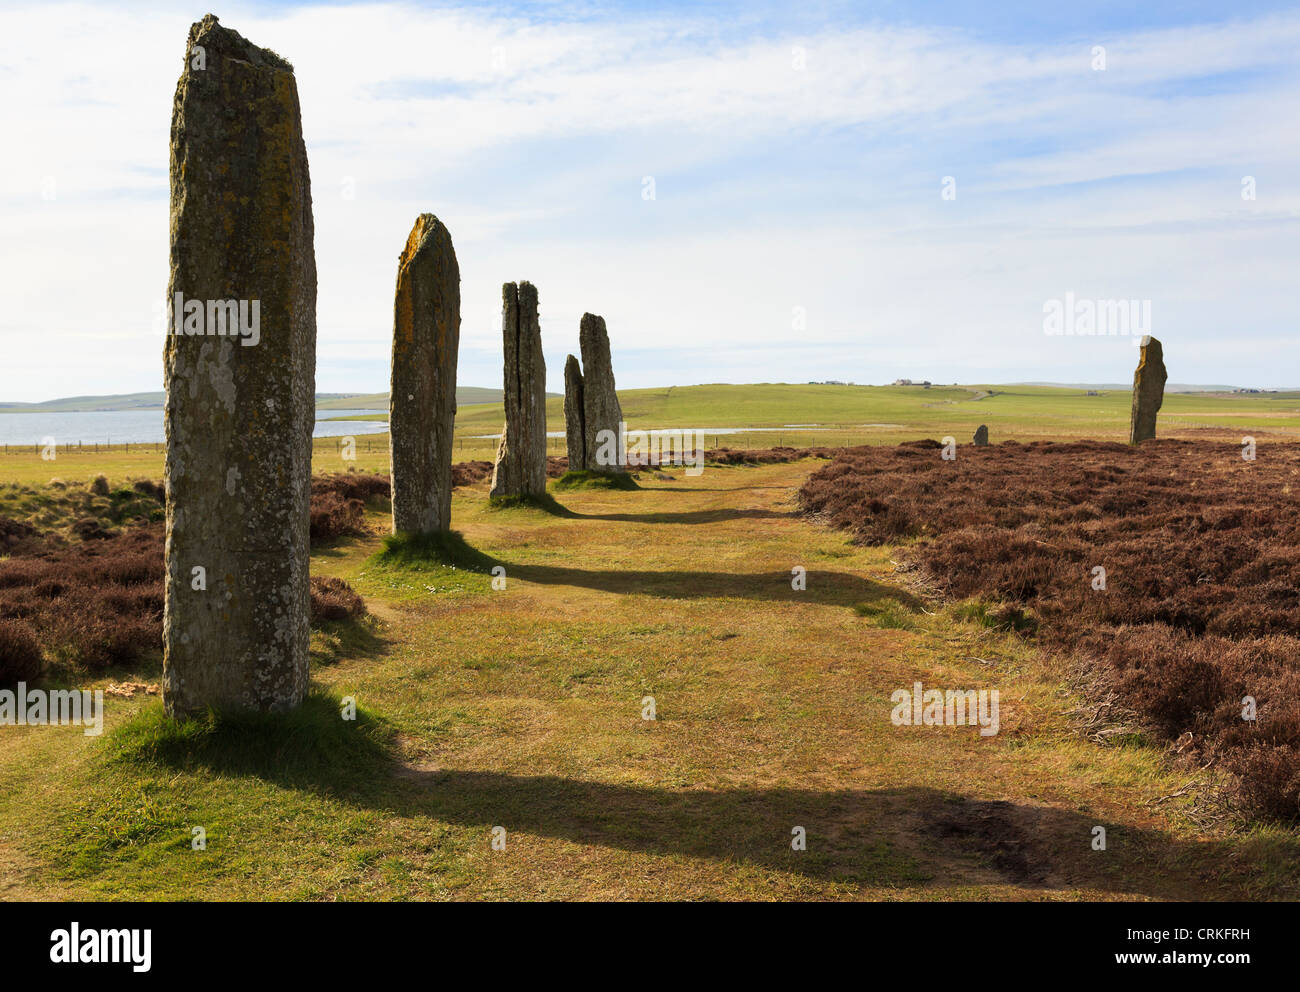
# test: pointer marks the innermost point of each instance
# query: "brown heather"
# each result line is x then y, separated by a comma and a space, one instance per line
333, 599
334, 516
366, 487
20, 653
1200, 548
90, 603
96, 602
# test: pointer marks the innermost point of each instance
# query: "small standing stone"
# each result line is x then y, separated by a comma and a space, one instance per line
422, 402
1148, 390
240, 369
520, 468
602, 419
981, 436
575, 434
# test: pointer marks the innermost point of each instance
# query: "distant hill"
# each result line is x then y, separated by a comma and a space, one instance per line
801, 413
72, 404
1172, 387
720, 404
465, 396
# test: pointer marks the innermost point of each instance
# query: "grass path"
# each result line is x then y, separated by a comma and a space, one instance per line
522, 708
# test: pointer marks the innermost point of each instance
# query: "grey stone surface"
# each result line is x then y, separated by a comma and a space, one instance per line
422, 402
1148, 390
520, 468
239, 415
573, 415
981, 435
601, 409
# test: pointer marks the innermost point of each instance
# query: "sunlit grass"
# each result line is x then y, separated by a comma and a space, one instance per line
522, 707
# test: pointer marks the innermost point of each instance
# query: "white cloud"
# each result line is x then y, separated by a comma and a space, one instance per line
777, 187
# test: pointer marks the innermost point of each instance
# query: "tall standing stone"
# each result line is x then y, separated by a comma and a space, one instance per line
422, 402
981, 436
1148, 390
240, 404
520, 468
602, 415
574, 415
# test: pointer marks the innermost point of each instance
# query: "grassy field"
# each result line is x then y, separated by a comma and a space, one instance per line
888, 414
843, 415
465, 396
522, 708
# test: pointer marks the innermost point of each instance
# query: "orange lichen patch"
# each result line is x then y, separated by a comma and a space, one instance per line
416, 238
404, 329
419, 238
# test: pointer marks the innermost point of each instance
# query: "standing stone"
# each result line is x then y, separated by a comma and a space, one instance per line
422, 403
981, 436
520, 468
240, 404
574, 416
1148, 390
602, 416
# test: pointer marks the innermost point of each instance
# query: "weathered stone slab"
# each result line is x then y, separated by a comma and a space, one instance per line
240, 370
1148, 390
981, 435
422, 402
573, 415
520, 468
602, 415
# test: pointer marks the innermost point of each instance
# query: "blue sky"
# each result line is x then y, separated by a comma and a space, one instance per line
798, 152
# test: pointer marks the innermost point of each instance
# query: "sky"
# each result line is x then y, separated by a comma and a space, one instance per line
750, 192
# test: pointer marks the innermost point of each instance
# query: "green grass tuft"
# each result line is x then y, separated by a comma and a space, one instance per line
411, 567
546, 502
889, 615
996, 616
422, 552
126, 822
588, 479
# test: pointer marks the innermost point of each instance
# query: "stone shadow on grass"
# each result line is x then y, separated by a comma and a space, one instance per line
907, 837
335, 640
686, 516
904, 837
550, 505
709, 489
822, 587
